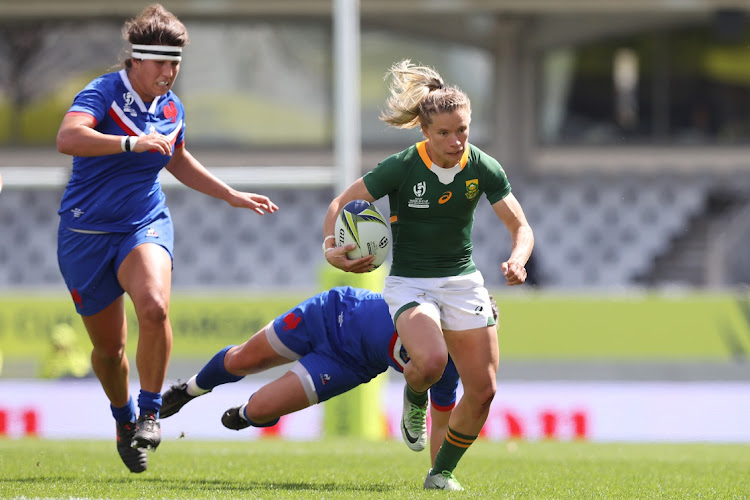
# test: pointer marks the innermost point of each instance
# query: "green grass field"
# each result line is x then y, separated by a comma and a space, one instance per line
340, 468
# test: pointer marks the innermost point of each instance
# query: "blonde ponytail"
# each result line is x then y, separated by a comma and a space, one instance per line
416, 94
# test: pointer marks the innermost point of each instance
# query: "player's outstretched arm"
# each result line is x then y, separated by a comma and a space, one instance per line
189, 171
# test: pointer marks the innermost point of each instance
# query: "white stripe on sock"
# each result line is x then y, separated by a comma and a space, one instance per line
193, 389
242, 413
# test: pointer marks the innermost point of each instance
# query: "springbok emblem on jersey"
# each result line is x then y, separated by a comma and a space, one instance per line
472, 189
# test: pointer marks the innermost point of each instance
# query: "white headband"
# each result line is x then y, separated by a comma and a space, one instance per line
157, 52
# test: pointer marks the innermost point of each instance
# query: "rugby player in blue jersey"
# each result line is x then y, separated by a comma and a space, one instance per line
339, 338
115, 234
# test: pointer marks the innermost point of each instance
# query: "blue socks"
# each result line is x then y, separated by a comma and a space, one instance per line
211, 375
149, 402
124, 414
214, 373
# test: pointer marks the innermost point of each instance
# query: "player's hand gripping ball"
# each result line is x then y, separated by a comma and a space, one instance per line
361, 223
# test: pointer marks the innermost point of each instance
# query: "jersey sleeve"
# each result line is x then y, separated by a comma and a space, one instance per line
443, 392
384, 178
93, 100
180, 140
496, 181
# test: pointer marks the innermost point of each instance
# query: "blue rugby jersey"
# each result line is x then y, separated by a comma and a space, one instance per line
121, 191
359, 329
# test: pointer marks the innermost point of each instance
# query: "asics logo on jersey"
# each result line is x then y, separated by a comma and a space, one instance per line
291, 321
446, 196
170, 111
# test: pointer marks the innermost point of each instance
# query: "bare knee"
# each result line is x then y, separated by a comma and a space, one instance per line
111, 355
430, 368
486, 398
480, 398
153, 309
234, 362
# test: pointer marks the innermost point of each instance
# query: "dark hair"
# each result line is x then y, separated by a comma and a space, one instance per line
155, 25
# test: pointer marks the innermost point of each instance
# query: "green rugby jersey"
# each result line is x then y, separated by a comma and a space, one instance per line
431, 220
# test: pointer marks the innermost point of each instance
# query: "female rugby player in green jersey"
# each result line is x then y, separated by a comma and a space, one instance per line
435, 293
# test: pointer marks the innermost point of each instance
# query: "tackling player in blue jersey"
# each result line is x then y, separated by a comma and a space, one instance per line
116, 233
344, 333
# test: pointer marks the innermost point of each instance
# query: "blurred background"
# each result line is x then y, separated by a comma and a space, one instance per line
624, 127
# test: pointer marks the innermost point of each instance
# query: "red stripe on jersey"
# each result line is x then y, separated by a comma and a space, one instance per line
173, 135
81, 113
113, 114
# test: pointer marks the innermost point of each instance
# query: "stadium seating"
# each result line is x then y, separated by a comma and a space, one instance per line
591, 232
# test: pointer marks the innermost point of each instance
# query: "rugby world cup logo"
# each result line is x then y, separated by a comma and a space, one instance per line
128, 101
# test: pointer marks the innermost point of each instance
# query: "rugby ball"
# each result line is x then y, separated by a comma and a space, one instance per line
361, 223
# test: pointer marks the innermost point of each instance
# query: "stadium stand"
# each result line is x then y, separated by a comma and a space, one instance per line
596, 232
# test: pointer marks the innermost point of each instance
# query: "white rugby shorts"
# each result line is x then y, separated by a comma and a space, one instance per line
462, 302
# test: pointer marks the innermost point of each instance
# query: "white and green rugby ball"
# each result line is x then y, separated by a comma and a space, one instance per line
361, 223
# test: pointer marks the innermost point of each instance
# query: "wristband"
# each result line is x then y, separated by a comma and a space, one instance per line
329, 237
128, 142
